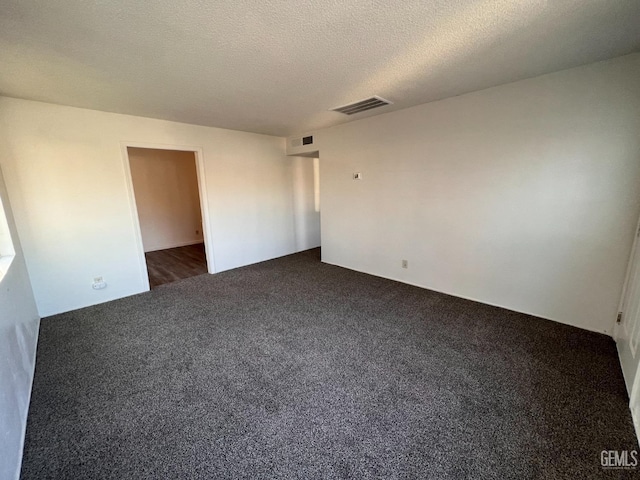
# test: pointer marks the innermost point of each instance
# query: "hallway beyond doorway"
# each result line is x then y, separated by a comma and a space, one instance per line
171, 264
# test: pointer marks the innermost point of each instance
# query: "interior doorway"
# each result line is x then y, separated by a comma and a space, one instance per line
306, 201
166, 187
627, 332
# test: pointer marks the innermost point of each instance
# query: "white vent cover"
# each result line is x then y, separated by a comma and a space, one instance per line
299, 142
362, 105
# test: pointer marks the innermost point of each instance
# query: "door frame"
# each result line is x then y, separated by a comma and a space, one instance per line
620, 329
133, 208
621, 332
617, 327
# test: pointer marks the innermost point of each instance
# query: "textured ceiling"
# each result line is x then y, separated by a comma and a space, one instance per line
277, 66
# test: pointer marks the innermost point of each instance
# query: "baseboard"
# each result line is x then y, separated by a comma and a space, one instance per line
636, 423
472, 299
173, 245
305, 248
634, 403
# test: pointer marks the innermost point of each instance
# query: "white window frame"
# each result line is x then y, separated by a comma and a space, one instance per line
7, 250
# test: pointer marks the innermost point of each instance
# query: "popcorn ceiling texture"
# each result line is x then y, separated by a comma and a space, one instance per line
276, 67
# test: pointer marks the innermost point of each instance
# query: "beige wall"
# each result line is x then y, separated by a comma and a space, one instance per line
524, 196
165, 183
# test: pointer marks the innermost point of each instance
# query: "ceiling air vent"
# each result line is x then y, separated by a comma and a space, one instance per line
299, 142
362, 105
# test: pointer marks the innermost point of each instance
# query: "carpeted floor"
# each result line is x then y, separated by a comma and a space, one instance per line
296, 369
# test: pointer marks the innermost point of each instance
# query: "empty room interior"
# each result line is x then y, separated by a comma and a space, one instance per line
311, 239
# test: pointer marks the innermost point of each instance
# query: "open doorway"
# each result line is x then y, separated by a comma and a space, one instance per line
306, 202
166, 191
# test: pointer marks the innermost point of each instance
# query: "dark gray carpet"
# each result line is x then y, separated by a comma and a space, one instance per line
295, 369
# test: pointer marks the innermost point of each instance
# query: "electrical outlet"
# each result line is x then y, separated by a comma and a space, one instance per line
98, 283
405, 264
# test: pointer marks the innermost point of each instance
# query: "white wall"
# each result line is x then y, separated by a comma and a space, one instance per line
524, 195
66, 179
306, 202
166, 191
18, 336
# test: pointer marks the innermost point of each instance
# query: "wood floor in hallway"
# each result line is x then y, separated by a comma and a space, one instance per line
166, 266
